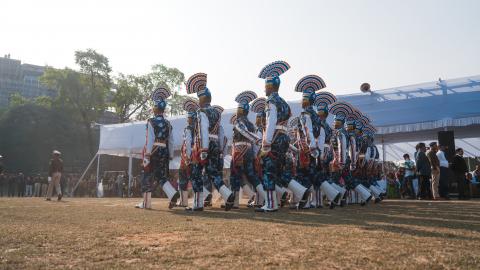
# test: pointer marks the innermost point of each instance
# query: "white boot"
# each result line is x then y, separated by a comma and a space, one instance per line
183, 198
281, 195
299, 191
332, 194
376, 193
313, 198
247, 190
141, 204
227, 196
197, 201
171, 193
340, 189
236, 202
148, 200
271, 204
364, 193
260, 195
207, 197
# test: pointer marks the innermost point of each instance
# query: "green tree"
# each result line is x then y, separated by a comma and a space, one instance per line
83, 92
126, 97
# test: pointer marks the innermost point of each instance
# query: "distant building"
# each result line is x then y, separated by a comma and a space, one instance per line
16, 77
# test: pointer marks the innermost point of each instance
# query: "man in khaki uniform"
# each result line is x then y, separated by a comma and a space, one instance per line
435, 166
54, 175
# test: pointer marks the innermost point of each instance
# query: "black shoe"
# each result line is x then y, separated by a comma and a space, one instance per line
208, 201
304, 199
377, 200
194, 209
48, 199
174, 200
332, 205
229, 202
363, 203
59, 197
343, 203
283, 199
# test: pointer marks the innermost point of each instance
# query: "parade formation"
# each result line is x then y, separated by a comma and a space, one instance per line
281, 160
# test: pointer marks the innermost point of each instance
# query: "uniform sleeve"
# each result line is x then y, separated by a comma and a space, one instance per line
353, 150
242, 129
342, 151
203, 129
321, 139
150, 138
171, 143
187, 137
221, 139
271, 124
308, 128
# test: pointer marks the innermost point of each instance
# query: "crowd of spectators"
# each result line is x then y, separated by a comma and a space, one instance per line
36, 185
431, 176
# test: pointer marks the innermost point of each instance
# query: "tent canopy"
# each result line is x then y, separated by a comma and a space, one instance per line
402, 114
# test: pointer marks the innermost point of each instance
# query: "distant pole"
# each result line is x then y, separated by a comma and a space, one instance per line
129, 173
384, 154
98, 169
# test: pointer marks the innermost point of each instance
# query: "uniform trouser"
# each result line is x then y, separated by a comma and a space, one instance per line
273, 163
183, 176
208, 173
11, 190
424, 186
435, 182
159, 171
463, 188
443, 184
55, 182
36, 189
28, 190
308, 176
244, 167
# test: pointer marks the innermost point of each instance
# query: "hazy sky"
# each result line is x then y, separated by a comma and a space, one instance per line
386, 43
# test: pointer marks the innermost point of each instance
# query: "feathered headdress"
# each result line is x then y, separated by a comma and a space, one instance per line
308, 85
323, 100
272, 72
244, 98
159, 96
258, 105
197, 83
341, 110
190, 105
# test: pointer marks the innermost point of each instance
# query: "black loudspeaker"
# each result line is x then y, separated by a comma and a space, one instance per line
446, 138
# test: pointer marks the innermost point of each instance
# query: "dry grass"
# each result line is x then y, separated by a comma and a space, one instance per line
110, 233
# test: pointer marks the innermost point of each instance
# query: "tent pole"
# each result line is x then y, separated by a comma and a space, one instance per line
84, 172
98, 169
383, 156
129, 173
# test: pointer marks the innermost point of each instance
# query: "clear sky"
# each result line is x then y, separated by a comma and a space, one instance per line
386, 43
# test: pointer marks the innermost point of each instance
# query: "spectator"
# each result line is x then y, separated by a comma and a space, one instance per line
11, 186
423, 172
459, 168
3, 184
476, 174
37, 186
54, 176
20, 185
444, 173
29, 187
409, 167
435, 166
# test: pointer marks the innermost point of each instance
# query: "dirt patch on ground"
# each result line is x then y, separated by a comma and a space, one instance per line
112, 234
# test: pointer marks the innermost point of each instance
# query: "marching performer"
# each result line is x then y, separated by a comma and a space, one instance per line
338, 141
185, 172
207, 146
322, 102
308, 132
157, 152
244, 138
222, 141
258, 107
275, 142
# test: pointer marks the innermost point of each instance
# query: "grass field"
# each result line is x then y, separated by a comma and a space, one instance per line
110, 233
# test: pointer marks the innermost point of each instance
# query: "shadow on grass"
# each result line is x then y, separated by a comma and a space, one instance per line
404, 217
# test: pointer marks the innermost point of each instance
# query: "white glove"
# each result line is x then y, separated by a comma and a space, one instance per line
314, 153
49, 179
203, 155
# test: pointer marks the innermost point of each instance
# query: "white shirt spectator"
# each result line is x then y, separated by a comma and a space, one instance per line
442, 159
408, 165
